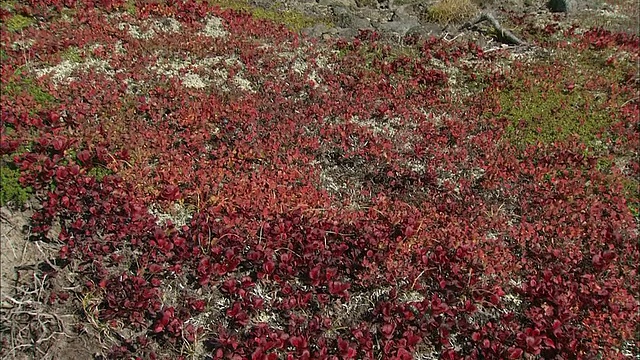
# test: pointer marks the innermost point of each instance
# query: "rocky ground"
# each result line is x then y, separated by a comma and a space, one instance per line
397, 18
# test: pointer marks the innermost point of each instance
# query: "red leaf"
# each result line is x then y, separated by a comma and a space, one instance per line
343, 345
61, 173
336, 288
597, 260
155, 268
158, 328
413, 339
84, 157
608, 255
170, 192
515, 353
269, 266
54, 117
387, 330
331, 273
298, 342
59, 144
532, 342
549, 343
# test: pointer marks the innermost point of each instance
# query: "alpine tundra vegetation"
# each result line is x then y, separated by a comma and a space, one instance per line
328, 179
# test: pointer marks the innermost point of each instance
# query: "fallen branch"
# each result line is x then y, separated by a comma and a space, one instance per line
504, 35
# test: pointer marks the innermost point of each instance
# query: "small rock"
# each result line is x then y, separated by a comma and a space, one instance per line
565, 6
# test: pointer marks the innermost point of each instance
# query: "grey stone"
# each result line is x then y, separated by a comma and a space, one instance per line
317, 30
404, 13
361, 23
565, 6
348, 33
398, 27
342, 17
345, 3
375, 15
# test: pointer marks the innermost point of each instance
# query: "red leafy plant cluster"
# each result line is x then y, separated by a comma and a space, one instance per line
342, 205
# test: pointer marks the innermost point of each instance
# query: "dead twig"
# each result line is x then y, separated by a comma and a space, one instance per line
504, 35
628, 101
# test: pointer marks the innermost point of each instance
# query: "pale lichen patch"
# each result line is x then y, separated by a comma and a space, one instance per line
194, 81
214, 28
62, 73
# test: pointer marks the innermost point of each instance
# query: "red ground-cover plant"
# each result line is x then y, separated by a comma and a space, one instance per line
484, 250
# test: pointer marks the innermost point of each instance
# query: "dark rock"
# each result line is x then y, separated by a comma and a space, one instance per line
565, 6
345, 18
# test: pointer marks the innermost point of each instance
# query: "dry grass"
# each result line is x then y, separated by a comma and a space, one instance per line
451, 11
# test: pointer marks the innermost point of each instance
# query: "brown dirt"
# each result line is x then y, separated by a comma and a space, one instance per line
33, 327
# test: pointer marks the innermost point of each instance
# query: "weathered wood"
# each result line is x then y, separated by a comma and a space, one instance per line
504, 35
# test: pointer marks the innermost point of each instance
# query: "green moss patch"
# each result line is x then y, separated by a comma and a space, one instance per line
21, 84
19, 22
552, 102
631, 191
72, 54
7, 5
11, 191
99, 172
293, 20
550, 114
